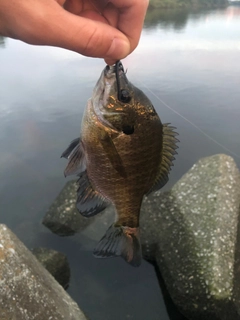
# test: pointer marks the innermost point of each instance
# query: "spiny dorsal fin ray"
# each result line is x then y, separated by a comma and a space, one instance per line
89, 201
167, 156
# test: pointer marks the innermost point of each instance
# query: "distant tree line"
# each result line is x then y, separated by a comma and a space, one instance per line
185, 3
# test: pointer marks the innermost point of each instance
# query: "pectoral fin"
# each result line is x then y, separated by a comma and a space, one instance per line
112, 153
166, 161
75, 154
89, 201
70, 148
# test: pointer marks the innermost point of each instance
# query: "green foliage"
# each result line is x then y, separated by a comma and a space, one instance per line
168, 18
154, 4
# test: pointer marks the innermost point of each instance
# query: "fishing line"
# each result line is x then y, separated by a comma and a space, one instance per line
189, 121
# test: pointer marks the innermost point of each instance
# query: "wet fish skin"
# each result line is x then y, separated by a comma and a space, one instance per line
127, 153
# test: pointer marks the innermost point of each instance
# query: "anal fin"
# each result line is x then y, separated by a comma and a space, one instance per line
89, 201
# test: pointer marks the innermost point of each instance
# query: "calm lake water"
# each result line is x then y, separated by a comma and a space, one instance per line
187, 63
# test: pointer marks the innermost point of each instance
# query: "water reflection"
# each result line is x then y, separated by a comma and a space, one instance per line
177, 19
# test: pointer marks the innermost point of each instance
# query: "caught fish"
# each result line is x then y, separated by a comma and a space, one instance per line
124, 152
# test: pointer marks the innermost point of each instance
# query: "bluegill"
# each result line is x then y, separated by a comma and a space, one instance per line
124, 152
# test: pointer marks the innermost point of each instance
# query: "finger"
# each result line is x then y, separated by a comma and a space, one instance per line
45, 22
77, 6
56, 27
94, 38
61, 2
110, 12
131, 18
73, 6
94, 16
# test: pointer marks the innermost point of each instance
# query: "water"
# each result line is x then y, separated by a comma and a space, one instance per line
188, 60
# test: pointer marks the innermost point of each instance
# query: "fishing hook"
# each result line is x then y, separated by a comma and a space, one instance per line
123, 94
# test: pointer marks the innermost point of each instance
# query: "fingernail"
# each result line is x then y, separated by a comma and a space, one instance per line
118, 50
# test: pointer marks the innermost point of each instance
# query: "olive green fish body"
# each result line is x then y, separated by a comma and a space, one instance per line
124, 153
138, 153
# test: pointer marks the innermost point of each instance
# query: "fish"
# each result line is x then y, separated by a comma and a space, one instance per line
124, 152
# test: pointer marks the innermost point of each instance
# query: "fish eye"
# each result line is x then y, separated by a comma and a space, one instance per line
124, 96
128, 130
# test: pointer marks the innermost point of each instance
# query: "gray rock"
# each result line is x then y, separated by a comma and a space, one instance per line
62, 217
28, 291
192, 229
56, 263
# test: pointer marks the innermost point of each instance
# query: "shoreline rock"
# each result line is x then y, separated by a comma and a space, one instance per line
63, 218
195, 239
28, 291
192, 233
54, 262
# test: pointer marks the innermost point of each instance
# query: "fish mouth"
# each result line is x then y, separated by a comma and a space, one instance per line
112, 82
117, 70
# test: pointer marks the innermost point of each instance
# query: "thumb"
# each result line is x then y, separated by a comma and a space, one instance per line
45, 22
90, 37
48, 23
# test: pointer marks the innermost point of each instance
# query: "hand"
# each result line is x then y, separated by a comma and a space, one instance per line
95, 28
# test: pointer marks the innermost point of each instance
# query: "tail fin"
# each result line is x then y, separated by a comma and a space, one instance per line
120, 241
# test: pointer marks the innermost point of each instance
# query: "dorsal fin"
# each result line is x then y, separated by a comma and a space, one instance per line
167, 156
